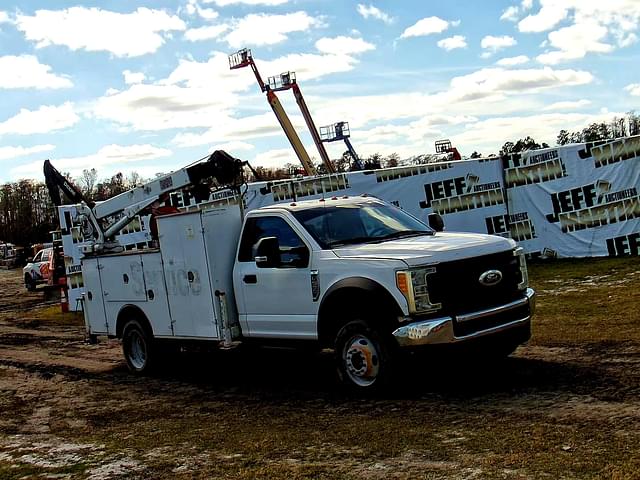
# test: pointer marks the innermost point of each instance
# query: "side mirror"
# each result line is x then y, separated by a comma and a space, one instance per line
267, 252
436, 222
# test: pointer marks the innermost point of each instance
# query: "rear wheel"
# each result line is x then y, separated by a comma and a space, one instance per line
138, 347
364, 359
29, 283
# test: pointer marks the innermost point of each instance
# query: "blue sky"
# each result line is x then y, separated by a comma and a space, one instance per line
145, 86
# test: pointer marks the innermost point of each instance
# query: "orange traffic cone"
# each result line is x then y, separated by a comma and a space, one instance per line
64, 299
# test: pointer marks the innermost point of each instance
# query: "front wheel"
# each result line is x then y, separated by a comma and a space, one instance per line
138, 348
29, 283
364, 359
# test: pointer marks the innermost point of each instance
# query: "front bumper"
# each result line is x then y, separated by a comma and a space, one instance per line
438, 331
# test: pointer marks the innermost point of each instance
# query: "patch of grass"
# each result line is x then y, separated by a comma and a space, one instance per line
582, 301
21, 471
49, 315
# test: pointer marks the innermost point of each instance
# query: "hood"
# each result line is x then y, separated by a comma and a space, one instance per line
441, 247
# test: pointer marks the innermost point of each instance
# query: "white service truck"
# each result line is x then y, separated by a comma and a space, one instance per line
355, 274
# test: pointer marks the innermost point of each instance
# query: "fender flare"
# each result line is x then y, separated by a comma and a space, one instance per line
125, 314
364, 286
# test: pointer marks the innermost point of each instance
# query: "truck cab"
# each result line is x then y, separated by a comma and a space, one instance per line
363, 277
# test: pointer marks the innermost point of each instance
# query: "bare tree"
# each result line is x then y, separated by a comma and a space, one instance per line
88, 181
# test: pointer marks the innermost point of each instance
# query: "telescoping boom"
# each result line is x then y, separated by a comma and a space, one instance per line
285, 81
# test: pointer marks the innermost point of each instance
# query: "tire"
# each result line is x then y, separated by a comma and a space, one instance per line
364, 359
138, 348
29, 283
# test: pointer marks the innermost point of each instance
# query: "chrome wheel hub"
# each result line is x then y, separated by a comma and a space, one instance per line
361, 360
137, 350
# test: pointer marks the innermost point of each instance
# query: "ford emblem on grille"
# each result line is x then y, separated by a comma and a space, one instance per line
490, 278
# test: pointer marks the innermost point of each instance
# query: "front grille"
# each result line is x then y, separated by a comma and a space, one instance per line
457, 287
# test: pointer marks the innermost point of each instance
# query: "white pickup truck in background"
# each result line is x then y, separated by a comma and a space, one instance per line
354, 274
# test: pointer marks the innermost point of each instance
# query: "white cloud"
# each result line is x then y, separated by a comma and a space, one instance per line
367, 11
451, 43
497, 80
26, 71
548, 17
185, 98
491, 44
594, 27
511, 61
633, 89
490, 134
343, 45
15, 152
265, 29
4, 18
93, 29
206, 13
239, 129
108, 160
275, 158
511, 13
208, 32
46, 119
575, 42
568, 105
226, 3
131, 78
426, 26
233, 146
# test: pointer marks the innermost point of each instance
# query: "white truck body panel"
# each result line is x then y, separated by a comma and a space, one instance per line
175, 286
95, 316
187, 276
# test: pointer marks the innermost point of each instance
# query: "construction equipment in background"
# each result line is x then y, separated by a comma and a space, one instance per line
444, 146
340, 131
285, 81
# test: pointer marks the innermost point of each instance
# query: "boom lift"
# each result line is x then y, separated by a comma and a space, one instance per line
444, 146
340, 131
285, 81
102, 221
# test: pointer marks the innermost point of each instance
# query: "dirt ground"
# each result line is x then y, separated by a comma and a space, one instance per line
565, 406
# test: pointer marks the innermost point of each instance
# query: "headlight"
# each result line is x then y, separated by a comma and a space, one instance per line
413, 285
522, 262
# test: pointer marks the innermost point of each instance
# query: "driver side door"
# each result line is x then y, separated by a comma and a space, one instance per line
275, 300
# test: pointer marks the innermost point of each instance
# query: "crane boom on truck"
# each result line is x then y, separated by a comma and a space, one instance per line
244, 58
102, 221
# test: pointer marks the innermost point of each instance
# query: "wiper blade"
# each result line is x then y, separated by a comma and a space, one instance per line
352, 241
404, 233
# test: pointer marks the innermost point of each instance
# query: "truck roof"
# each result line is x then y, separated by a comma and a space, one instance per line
342, 200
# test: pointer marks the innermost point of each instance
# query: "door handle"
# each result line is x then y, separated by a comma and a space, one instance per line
250, 279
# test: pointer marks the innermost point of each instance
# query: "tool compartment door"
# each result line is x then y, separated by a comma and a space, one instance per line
123, 278
187, 276
93, 305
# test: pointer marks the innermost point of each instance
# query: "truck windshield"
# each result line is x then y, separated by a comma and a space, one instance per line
337, 225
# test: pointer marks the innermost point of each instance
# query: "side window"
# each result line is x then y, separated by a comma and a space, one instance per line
38, 257
291, 246
46, 255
